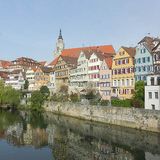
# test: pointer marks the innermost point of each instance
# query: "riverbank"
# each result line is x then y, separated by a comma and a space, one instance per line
142, 119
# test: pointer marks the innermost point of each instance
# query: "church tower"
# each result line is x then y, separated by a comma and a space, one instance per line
59, 45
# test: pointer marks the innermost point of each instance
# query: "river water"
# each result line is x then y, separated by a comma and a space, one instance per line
45, 136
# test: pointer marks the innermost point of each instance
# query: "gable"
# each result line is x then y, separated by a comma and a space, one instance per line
142, 51
121, 54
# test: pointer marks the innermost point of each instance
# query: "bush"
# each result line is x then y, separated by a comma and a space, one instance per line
60, 98
94, 102
137, 103
104, 102
121, 103
74, 97
90, 95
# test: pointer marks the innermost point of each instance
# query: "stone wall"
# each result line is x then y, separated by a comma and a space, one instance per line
128, 117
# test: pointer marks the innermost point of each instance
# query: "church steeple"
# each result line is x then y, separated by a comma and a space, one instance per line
59, 45
60, 35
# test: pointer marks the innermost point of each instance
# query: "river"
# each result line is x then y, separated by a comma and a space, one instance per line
45, 136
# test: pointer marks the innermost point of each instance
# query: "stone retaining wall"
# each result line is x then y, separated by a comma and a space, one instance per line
128, 117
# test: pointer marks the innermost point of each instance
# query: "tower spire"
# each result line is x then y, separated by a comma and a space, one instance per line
60, 35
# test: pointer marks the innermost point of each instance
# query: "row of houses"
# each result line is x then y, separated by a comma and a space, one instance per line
15, 73
112, 74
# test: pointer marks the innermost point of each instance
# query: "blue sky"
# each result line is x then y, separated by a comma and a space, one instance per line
30, 27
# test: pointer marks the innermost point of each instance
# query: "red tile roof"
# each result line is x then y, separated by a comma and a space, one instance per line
74, 52
4, 64
53, 63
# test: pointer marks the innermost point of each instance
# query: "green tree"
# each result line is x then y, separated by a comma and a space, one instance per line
138, 97
26, 84
37, 100
9, 96
45, 91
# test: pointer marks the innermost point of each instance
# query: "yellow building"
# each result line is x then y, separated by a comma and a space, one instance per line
123, 73
42, 77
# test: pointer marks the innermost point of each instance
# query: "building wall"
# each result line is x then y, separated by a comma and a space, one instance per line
61, 73
79, 75
123, 83
142, 69
41, 79
152, 92
94, 69
16, 81
105, 81
30, 76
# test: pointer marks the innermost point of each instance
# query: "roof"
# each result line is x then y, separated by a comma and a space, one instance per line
130, 50
148, 41
108, 62
4, 64
43, 63
53, 63
46, 69
3, 75
155, 48
87, 53
33, 68
70, 60
17, 71
74, 52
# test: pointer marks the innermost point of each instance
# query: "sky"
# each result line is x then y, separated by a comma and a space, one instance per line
30, 27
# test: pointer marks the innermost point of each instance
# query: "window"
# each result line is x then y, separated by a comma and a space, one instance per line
144, 68
139, 69
127, 82
158, 81
132, 82
119, 84
115, 83
139, 60
143, 60
150, 95
127, 60
148, 59
123, 82
152, 81
156, 95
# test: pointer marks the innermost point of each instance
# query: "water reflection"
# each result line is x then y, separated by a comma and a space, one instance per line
72, 139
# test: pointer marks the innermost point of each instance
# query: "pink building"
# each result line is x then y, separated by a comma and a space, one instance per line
106, 79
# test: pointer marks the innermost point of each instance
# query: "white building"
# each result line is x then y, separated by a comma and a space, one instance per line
79, 74
52, 83
152, 92
94, 64
30, 76
15, 80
